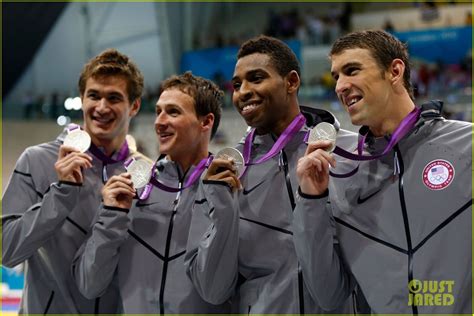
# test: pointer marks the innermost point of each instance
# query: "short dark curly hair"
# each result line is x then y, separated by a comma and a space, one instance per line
113, 63
207, 96
283, 58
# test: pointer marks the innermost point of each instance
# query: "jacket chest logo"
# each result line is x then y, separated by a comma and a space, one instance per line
438, 174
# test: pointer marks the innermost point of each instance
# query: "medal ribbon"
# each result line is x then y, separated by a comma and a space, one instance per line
121, 156
405, 126
281, 142
93, 149
196, 174
402, 129
123, 153
72, 127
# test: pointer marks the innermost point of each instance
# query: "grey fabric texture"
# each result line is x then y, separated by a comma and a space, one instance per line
44, 224
391, 228
246, 250
143, 252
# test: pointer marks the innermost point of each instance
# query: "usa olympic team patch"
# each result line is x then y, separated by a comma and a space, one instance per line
438, 174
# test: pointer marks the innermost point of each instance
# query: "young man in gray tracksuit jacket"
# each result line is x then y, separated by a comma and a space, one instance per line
51, 200
141, 247
401, 225
246, 250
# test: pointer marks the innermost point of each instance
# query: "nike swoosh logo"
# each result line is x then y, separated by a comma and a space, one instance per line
361, 200
250, 190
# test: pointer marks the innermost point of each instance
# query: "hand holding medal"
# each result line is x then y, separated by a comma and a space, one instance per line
72, 158
228, 166
119, 192
323, 131
235, 157
77, 139
140, 171
313, 168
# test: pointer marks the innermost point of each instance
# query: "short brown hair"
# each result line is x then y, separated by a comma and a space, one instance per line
206, 94
383, 46
113, 63
283, 58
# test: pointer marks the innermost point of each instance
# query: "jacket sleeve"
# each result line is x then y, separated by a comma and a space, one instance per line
96, 260
326, 277
213, 242
30, 217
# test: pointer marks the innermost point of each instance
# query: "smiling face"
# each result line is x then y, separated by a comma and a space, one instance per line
363, 88
180, 132
107, 110
261, 94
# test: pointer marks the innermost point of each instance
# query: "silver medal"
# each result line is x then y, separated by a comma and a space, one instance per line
140, 170
234, 155
324, 131
78, 139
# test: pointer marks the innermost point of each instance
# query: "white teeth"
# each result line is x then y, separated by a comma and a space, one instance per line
249, 107
353, 100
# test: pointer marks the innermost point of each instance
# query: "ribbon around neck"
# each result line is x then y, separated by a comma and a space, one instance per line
405, 126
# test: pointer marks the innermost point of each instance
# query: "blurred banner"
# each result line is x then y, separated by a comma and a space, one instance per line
218, 63
11, 290
447, 45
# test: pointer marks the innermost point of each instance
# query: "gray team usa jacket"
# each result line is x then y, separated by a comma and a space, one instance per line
44, 223
246, 249
143, 252
403, 224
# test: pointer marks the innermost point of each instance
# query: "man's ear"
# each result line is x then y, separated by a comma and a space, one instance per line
293, 82
207, 121
135, 107
397, 70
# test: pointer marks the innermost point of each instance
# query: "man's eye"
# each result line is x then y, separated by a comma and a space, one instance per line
173, 112
352, 71
236, 86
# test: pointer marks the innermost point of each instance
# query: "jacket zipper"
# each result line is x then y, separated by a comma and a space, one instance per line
168, 243
283, 162
399, 166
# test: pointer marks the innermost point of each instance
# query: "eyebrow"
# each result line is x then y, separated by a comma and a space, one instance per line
167, 105
249, 73
111, 93
114, 93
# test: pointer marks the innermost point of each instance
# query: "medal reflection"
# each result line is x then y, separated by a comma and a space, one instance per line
78, 139
140, 172
233, 155
324, 131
